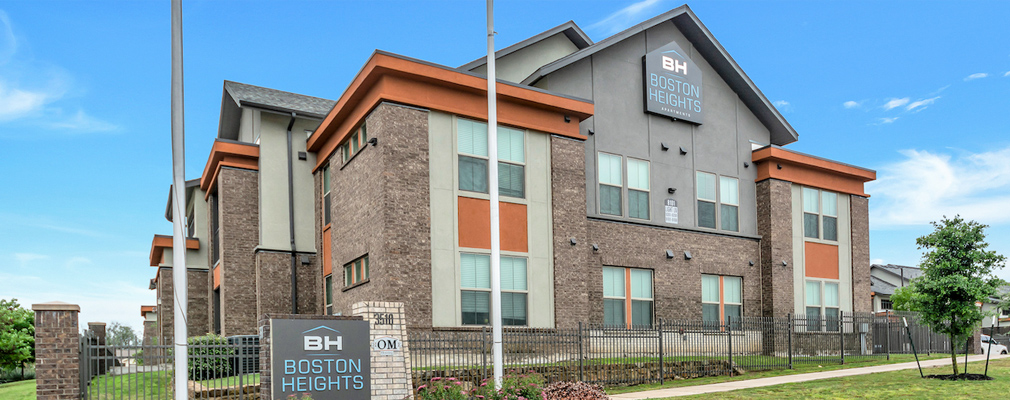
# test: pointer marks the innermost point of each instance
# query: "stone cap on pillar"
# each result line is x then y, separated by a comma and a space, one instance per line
96, 323
56, 306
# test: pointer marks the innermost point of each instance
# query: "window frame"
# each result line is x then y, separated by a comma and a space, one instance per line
722, 303
820, 215
720, 216
328, 293
356, 272
647, 191
487, 159
822, 323
524, 292
600, 184
628, 299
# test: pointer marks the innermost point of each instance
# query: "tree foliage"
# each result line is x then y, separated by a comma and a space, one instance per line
120, 335
957, 272
17, 335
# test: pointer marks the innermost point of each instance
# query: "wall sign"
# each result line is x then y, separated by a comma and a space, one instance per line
329, 359
387, 345
672, 216
673, 84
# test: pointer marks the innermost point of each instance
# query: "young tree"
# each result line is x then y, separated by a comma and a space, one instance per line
17, 335
120, 335
957, 272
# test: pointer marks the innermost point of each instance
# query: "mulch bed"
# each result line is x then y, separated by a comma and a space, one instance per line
961, 377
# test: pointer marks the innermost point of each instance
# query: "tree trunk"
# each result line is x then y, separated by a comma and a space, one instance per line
953, 354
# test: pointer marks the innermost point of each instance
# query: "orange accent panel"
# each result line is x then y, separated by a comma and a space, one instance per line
627, 297
475, 225
327, 245
217, 276
162, 242
390, 78
810, 171
146, 309
820, 260
513, 227
474, 219
228, 154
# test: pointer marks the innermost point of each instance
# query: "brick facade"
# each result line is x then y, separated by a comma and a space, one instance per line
774, 217
196, 305
379, 208
273, 283
572, 283
859, 212
57, 356
238, 194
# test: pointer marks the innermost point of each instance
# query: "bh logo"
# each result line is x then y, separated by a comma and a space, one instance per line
323, 342
675, 65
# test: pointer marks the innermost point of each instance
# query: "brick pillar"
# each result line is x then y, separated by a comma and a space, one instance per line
57, 351
774, 217
391, 379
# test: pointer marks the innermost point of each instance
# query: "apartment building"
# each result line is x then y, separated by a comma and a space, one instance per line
641, 177
250, 217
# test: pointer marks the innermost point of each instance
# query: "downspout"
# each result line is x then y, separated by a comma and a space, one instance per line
291, 221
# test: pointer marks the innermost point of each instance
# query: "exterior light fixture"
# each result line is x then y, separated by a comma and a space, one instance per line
671, 190
751, 263
746, 164
784, 264
664, 146
596, 247
591, 132
568, 119
683, 151
573, 241
779, 166
669, 254
302, 155
687, 255
373, 141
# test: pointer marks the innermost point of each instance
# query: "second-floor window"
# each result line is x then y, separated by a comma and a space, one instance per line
326, 195
356, 271
329, 294
820, 214
638, 188
358, 139
718, 202
473, 158
610, 173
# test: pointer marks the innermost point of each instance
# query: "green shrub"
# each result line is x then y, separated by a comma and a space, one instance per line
441, 389
514, 385
209, 357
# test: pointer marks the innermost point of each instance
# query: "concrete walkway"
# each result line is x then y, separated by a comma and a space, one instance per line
778, 380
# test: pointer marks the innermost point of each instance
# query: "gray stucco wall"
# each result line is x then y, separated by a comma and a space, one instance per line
200, 208
273, 185
520, 64
613, 79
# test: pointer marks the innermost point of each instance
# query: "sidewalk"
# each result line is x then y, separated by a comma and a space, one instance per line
778, 380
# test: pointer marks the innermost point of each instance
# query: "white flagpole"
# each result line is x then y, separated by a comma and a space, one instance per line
178, 205
492, 153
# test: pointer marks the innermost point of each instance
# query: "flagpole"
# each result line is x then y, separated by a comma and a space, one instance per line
492, 150
178, 205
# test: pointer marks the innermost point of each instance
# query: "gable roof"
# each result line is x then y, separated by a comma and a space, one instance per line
569, 29
899, 270
880, 286
237, 95
708, 47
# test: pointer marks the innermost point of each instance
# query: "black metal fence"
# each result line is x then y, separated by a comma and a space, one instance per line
228, 369
668, 349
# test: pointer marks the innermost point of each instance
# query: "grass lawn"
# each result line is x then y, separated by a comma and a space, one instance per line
23, 390
248, 379
886, 385
143, 385
798, 368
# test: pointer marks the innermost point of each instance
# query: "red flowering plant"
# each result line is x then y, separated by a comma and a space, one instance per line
439, 389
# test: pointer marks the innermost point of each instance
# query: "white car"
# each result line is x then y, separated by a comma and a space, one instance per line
997, 348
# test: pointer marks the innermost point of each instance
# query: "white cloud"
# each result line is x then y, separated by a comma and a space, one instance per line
1006, 73
877, 261
895, 103
924, 186
25, 258
974, 76
16, 103
882, 121
624, 18
8, 43
82, 122
852, 104
921, 103
782, 105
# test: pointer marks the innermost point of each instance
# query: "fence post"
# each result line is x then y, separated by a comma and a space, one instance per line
483, 353
581, 375
887, 329
662, 362
729, 334
789, 342
841, 334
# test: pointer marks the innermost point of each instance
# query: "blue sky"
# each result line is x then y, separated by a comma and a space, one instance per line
915, 90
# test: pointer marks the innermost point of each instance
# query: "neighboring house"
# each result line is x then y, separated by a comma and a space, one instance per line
609, 213
884, 279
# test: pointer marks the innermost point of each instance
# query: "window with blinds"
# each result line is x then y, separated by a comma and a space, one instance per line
822, 305
706, 199
473, 158
729, 204
475, 284
611, 184
722, 300
820, 214
638, 189
618, 302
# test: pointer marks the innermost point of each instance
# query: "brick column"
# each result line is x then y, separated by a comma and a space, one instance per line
391, 378
57, 351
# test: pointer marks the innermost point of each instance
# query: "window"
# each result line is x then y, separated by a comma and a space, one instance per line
706, 200
329, 294
358, 139
475, 296
638, 188
356, 271
886, 304
610, 183
729, 203
326, 195
820, 214
215, 231
473, 158
617, 302
722, 300
190, 225
822, 306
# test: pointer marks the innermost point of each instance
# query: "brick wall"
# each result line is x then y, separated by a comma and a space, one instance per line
774, 217
860, 228
166, 307
196, 305
379, 208
57, 359
391, 373
273, 283
573, 277
238, 191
